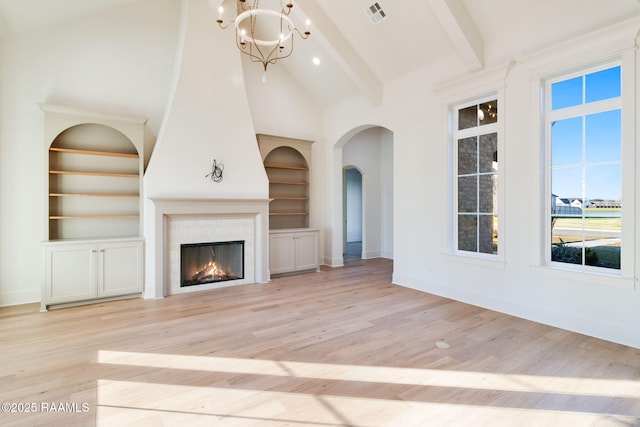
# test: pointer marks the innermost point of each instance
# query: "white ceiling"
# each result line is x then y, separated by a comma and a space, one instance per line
358, 56
22, 15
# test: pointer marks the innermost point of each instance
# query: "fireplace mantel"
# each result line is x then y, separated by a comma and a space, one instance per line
163, 209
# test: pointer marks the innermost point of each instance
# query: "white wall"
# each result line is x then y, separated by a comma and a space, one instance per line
517, 284
117, 62
386, 188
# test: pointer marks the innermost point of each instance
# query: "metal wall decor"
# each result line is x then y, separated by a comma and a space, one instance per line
216, 171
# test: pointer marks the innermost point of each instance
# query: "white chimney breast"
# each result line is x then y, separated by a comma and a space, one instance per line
207, 118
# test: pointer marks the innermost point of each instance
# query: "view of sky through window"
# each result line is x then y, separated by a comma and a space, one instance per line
589, 143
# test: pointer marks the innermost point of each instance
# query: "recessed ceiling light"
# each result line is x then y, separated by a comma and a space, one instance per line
316, 60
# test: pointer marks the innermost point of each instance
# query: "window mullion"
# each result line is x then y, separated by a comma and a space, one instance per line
583, 187
478, 193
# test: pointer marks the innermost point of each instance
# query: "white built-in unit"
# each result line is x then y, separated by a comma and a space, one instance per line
293, 246
293, 250
94, 244
84, 271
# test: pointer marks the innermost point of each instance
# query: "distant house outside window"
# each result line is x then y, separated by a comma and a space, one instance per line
476, 177
584, 131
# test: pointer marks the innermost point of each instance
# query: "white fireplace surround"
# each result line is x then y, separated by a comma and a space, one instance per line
178, 221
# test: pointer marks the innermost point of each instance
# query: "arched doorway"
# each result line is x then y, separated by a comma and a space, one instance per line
369, 149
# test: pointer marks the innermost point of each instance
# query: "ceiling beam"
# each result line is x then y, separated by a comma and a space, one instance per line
342, 51
462, 32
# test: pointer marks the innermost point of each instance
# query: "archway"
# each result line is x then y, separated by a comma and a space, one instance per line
368, 148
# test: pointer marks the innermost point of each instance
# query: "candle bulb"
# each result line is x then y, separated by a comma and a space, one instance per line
306, 26
220, 10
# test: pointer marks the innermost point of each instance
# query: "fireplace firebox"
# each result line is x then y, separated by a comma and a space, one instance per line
202, 263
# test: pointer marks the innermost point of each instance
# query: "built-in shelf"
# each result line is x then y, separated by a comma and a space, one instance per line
94, 217
114, 195
288, 213
289, 182
86, 173
296, 168
94, 152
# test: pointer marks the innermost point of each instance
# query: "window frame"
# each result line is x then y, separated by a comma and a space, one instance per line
476, 131
627, 161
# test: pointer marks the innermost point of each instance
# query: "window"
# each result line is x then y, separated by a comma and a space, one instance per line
584, 130
476, 177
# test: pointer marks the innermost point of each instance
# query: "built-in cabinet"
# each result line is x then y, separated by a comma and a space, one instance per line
293, 250
93, 246
293, 246
85, 271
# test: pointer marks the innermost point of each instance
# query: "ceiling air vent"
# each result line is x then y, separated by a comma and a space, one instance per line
375, 13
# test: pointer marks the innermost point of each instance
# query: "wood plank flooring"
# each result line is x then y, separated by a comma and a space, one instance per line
340, 347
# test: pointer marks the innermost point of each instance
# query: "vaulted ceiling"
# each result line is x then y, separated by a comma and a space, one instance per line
359, 56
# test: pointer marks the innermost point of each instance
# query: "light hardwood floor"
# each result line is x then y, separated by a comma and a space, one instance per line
339, 347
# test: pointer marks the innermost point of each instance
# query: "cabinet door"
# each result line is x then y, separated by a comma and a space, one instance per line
71, 273
281, 253
120, 268
306, 251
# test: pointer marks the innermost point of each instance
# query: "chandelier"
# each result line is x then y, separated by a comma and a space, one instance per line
265, 35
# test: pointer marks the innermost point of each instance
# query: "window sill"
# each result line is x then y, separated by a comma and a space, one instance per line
492, 261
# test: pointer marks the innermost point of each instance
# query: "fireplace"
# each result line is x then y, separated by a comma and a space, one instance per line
175, 222
202, 263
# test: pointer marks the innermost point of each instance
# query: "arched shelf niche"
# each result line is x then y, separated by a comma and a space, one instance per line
94, 179
287, 162
94, 184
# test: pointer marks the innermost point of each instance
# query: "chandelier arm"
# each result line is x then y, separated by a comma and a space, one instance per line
224, 26
286, 8
279, 54
303, 35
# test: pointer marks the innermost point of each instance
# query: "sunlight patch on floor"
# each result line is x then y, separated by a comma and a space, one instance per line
140, 403
384, 375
